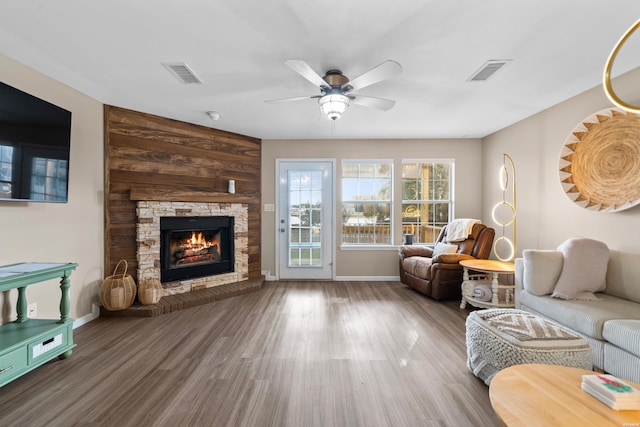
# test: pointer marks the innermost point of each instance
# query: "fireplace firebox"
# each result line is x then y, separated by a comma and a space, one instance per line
192, 247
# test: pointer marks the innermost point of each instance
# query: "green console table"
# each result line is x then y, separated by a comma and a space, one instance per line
27, 343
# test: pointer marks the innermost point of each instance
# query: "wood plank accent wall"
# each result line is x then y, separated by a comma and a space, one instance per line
149, 157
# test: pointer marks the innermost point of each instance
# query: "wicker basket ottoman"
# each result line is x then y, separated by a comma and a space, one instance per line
499, 338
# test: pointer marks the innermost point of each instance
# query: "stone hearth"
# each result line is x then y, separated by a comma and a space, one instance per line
171, 303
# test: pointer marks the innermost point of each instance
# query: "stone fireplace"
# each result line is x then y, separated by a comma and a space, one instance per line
192, 245
195, 246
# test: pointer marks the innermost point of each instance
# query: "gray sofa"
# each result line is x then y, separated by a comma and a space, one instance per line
611, 325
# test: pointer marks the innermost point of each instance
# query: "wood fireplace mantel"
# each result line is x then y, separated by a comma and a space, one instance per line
141, 193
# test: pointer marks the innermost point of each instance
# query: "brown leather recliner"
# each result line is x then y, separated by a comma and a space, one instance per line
441, 277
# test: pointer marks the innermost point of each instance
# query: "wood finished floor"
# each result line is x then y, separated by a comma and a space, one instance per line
292, 354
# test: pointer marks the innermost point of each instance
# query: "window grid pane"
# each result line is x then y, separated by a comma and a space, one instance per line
305, 223
426, 199
366, 203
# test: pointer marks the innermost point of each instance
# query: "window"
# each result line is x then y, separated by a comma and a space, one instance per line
366, 202
427, 202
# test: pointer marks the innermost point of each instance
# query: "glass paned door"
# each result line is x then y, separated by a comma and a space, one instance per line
305, 221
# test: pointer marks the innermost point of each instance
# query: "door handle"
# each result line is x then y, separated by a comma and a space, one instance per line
282, 230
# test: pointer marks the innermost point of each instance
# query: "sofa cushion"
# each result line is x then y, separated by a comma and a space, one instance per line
584, 269
417, 266
621, 363
623, 275
585, 317
623, 333
542, 269
444, 248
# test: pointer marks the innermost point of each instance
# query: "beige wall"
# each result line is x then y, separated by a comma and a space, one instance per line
69, 232
371, 263
73, 232
546, 216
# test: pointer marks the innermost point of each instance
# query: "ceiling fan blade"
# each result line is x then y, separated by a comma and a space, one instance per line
297, 98
381, 72
372, 102
302, 68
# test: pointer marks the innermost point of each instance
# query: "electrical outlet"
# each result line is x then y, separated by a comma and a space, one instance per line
32, 309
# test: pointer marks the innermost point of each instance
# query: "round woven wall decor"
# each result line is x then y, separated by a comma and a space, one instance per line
600, 162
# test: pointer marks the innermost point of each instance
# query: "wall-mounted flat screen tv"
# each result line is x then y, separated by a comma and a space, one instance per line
35, 140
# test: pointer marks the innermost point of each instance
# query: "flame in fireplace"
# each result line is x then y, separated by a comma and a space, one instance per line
194, 249
198, 240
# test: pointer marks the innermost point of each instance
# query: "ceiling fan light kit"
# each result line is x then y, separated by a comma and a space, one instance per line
336, 90
333, 105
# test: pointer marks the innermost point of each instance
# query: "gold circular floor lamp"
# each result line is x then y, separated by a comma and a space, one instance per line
505, 183
606, 78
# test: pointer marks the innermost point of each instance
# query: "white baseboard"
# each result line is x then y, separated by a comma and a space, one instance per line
95, 313
367, 278
267, 276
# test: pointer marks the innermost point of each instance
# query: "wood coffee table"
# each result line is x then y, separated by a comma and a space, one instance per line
549, 395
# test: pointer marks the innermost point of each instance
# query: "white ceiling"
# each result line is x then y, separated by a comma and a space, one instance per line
113, 50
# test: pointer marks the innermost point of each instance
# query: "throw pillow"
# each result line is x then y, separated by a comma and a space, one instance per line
584, 269
542, 269
444, 248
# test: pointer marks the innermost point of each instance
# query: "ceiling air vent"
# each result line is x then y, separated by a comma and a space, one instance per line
488, 69
182, 72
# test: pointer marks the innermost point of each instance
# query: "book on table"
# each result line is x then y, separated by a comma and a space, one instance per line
612, 391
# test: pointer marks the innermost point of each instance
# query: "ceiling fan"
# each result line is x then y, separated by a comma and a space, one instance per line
336, 90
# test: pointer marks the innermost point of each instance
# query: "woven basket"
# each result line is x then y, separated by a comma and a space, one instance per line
150, 289
118, 291
600, 160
